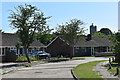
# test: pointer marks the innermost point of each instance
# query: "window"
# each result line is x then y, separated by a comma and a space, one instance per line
109, 49
13, 49
83, 49
76, 49
2, 51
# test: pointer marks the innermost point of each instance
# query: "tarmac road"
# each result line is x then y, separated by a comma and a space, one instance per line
50, 70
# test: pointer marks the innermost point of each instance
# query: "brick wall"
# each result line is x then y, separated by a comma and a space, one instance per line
59, 47
10, 56
2, 59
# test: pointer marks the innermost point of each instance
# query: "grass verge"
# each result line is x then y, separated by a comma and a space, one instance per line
86, 70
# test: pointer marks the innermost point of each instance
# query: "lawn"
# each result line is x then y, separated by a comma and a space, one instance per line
86, 70
108, 56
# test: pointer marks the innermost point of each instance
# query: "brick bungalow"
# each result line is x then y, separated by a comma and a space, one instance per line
59, 47
87, 47
8, 42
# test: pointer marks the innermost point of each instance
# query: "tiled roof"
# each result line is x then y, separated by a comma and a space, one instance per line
94, 42
10, 39
57, 38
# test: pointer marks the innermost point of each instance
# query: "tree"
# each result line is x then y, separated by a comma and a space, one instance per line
71, 32
106, 31
1, 31
27, 19
99, 35
117, 46
45, 38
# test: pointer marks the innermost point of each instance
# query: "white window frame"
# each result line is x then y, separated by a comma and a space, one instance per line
17, 51
13, 49
2, 51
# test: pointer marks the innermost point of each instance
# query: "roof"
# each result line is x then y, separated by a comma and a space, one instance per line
94, 42
55, 40
10, 39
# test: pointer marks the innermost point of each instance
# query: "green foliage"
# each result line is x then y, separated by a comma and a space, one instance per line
86, 70
27, 19
116, 40
45, 38
106, 31
23, 58
1, 30
26, 64
99, 35
71, 30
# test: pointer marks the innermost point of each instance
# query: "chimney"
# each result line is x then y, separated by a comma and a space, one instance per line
93, 29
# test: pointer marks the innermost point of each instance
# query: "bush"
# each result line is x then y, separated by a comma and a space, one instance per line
23, 58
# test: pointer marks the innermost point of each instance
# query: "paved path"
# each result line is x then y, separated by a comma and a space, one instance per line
103, 71
50, 70
5, 64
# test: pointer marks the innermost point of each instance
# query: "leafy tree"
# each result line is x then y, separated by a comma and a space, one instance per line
71, 32
99, 35
117, 47
27, 19
106, 31
1, 30
45, 38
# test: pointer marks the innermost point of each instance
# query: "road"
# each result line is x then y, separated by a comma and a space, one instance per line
50, 70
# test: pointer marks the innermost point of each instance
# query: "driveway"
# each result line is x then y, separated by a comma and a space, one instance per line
50, 70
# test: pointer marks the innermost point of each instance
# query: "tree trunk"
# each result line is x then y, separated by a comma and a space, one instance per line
72, 53
26, 54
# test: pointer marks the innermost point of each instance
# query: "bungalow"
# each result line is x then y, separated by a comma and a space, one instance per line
87, 47
8, 41
93, 47
59, 47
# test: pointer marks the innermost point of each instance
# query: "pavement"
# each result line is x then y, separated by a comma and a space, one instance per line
11, 64
2, 65
49, 70
104, 71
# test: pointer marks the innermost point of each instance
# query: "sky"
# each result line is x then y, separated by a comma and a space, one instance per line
119, 16
102, 14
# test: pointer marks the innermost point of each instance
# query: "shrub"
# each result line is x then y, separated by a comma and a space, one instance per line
23, 58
